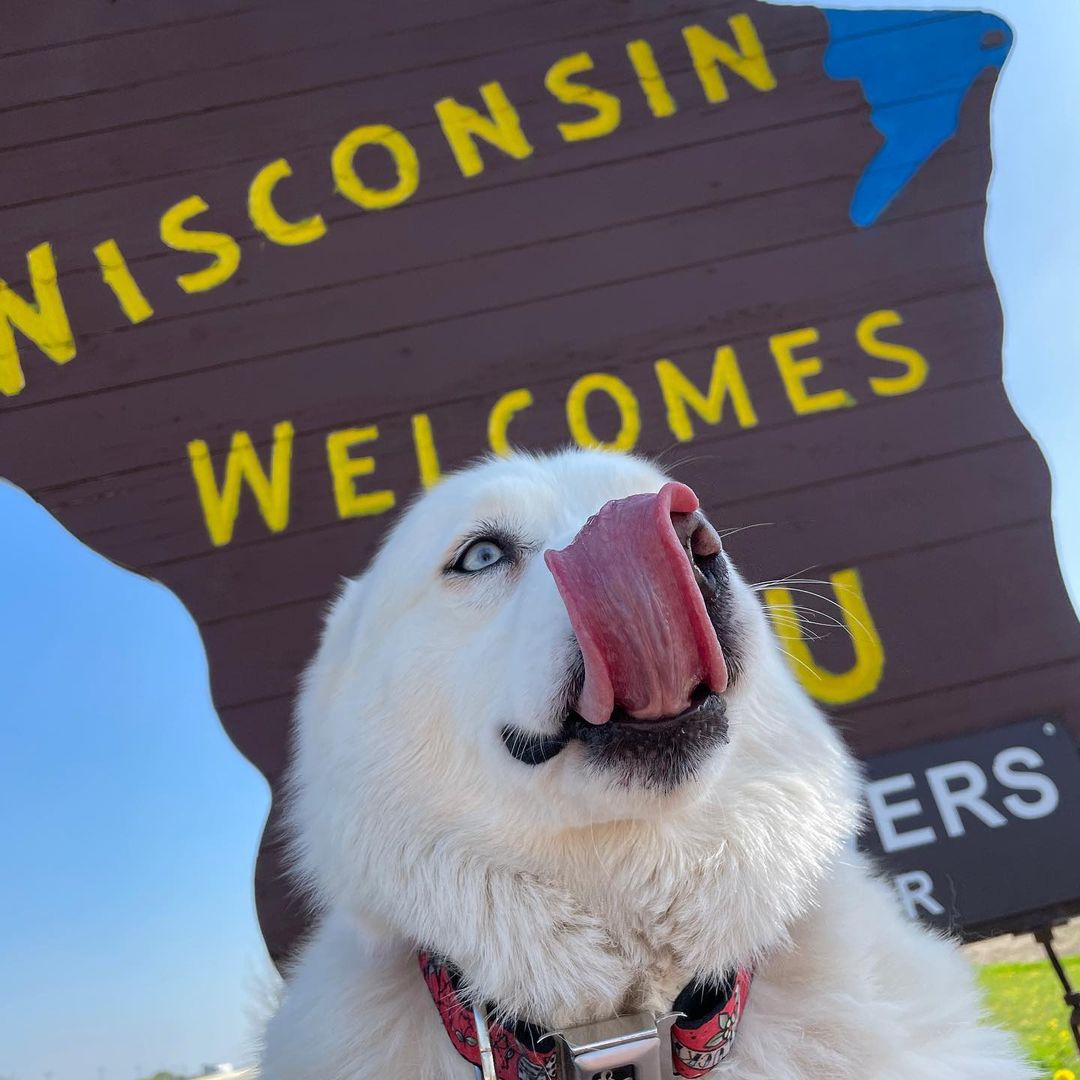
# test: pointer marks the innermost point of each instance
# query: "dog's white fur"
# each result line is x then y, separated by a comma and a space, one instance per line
562, 894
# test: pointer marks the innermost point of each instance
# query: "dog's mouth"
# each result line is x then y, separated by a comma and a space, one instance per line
659, 754
647, 589
634, 588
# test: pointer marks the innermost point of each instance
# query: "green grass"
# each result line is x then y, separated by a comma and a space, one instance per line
1027, 999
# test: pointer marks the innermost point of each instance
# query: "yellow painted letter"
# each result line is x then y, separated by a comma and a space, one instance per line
606, 106
748, 60
44, 322
427, 457
221, 505
513, 401
405, 161
115, 274
659, 98
829, 687
345, 469
681, 395
463, 125
915, 362
795, 373
264, 215
223, 247
625, 402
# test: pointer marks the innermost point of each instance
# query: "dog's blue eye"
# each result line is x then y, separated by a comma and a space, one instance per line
479, 556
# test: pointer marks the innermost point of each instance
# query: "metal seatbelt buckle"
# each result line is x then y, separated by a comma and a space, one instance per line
634, 1047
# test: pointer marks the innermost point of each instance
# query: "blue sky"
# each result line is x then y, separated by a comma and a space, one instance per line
130, 823
127, 925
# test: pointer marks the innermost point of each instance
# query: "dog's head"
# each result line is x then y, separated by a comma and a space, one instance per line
562, 629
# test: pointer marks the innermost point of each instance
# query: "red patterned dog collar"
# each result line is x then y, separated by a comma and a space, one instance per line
701, 1037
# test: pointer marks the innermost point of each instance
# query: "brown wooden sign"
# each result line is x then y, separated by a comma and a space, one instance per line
271, 267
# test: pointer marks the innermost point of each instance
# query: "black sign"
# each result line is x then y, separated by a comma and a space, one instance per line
977, 832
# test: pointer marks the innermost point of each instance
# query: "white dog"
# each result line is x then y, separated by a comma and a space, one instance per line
549, 742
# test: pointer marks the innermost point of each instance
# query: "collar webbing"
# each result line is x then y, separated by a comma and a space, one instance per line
701, 1037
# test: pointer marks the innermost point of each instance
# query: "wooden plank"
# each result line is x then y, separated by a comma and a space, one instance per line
157, 509
53, 24
660, 179
877, 512
249, 50
961, 612
106, 76
429, 234
49, 24
180, 70
562, 328
249, 131
131, 214
1049, 690
370, 310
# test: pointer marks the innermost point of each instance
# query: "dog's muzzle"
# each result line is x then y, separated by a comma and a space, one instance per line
646, 586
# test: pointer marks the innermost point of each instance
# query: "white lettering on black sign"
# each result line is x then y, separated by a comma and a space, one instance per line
961, 786
980, 830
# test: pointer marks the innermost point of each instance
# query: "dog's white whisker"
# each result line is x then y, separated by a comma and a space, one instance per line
847, 615
807, 616
798, 630
725, 533
802, 663
794, 577
686, 460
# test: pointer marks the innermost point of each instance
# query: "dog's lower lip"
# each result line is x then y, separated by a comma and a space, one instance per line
534, 749
705, 704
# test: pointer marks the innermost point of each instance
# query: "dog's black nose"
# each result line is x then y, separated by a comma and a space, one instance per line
696, 534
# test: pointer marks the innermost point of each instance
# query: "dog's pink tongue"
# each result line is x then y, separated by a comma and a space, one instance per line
638, 613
